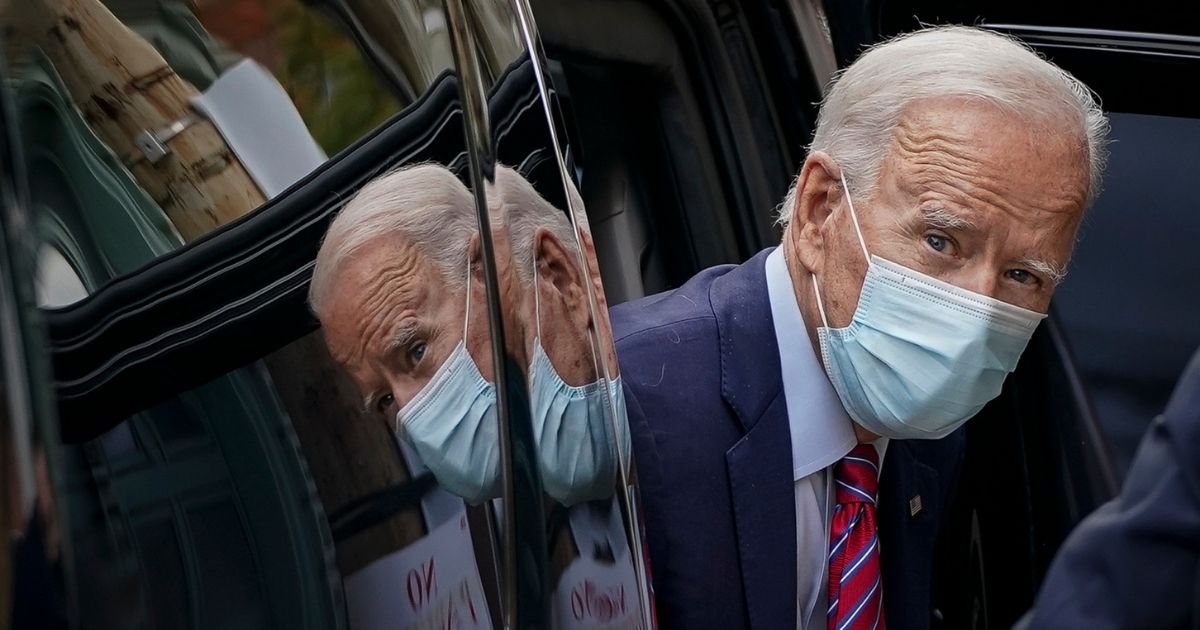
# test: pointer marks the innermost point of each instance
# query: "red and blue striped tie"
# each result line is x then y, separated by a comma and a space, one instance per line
855, 581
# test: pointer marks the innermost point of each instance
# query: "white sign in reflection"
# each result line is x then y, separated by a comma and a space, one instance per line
432, 583
600, 587
262, 127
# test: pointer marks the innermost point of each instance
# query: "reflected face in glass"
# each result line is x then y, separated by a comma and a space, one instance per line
559, 316
538, 253
391, 281
579, 442
562, 311
395, 318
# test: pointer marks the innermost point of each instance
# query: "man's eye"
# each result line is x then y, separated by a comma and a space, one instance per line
1021, 276
417, 353
938, 242
384, 402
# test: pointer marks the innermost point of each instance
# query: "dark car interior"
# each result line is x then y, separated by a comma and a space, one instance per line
689, 127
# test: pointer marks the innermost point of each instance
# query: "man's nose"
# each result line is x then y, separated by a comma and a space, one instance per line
983, 279
403, 391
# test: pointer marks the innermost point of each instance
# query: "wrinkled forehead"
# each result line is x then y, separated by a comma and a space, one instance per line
375, 287
385, 259
997, 156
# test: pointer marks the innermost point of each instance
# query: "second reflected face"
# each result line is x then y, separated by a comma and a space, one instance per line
394, 318
577, 415
546, 289
398, 286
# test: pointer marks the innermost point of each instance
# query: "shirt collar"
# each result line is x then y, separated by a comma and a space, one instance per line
822, 432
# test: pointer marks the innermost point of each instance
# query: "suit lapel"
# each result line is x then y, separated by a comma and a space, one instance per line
760, 464
764, 510
912, 503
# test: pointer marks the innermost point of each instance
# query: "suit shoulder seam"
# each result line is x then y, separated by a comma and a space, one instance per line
663, 325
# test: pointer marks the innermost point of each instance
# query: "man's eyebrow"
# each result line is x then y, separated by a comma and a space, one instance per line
368, 403
403, 336
1056, 272
937, 216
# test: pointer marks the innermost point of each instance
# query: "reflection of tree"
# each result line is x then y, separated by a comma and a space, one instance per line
337, 93
349, 454
123, 87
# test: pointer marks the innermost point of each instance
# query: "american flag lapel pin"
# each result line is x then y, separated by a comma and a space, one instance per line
915, 506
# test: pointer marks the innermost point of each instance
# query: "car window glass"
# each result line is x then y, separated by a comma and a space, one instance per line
148, 124
580, 433
399, 290
1129, 303
33, 560
558, 339
299, 488
262, 498
275, 494
313, 56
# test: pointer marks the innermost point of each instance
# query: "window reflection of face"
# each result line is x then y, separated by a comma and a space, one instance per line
395, 319
538, 233
562, 309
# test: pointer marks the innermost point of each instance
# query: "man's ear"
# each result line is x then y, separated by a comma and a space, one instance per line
589, 251
818, 191
557, 265
475, 258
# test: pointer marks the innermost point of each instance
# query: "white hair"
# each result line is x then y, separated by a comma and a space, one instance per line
424, 206
516, 204
865, 102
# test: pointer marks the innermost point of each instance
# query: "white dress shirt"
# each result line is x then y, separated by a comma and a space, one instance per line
822, 433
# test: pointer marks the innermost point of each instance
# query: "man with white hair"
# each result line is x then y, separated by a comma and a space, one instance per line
398, 288
923, 239
393, 286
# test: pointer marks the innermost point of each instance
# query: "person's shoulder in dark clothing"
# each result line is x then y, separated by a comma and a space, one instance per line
665, 341
1135, 562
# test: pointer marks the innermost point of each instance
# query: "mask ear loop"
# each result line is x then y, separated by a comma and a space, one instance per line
467, 320
854, 216
861, 241
537, 303
397, 426
820, 305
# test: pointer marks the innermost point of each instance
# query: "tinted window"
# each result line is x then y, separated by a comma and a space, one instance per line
1129, 305
338, 94
266, 496
1156, 16
148, 125
36, 543
235, 483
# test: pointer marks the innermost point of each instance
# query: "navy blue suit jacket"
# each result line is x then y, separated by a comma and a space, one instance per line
706, 407
1135, 562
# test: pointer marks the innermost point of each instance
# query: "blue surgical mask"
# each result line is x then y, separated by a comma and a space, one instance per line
920, 356
452, 425
578, 442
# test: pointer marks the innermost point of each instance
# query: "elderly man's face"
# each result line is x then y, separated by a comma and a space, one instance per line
394, 321
967, 194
